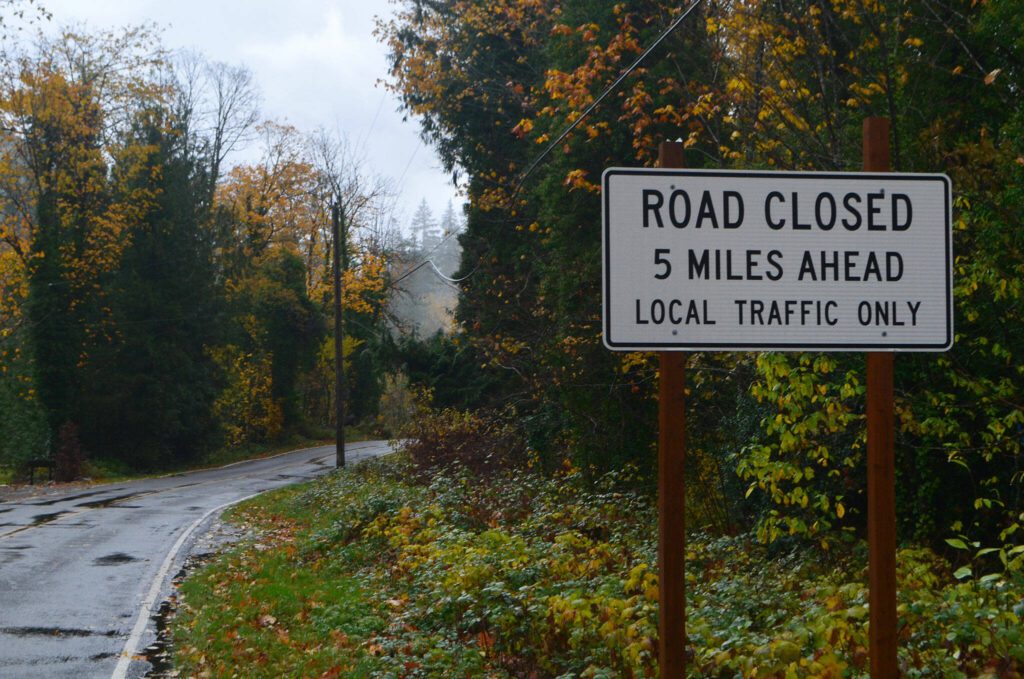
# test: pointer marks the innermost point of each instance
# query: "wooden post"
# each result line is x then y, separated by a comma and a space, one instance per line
339, 337
671, 492
881, 466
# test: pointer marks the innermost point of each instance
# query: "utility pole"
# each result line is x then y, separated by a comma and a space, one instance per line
339, 335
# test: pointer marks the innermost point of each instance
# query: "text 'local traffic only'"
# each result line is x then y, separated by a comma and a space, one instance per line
759, 260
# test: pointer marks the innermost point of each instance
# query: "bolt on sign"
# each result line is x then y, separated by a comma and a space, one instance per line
738, 260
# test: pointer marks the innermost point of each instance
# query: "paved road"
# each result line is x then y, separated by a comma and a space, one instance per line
81, 571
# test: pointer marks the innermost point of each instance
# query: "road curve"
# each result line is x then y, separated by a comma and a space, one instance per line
82, 571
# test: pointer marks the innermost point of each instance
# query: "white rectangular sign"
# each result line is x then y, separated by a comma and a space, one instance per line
798, 261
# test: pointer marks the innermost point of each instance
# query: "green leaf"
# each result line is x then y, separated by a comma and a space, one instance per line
962, 572
956, 542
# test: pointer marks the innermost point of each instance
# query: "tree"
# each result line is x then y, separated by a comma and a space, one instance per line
218, 106
364, 201
153, 380
66, 109
277, 214
493, 85
282, 322
744, 84
448, 254
274, 202
423, 226
14, 11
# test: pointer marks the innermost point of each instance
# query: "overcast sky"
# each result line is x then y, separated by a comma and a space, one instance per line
317, 63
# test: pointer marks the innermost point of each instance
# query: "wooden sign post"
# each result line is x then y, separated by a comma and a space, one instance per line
881, 467
671, 491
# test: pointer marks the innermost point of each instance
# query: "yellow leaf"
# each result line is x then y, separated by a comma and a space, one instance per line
840, 510
992, 75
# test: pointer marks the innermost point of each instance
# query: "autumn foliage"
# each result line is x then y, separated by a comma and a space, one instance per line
776, 440
154, 299
551, 575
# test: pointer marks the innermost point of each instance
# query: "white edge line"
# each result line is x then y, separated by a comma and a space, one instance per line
146, 610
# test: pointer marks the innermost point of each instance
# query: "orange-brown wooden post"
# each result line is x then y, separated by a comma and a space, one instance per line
672, 492
881, 467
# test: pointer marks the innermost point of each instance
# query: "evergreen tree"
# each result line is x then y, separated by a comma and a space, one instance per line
448, 253
153, 384
292, 325
423, 226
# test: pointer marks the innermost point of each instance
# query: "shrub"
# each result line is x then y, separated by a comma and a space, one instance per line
560, 580
482, 443
397, 404
68, 459
24, 434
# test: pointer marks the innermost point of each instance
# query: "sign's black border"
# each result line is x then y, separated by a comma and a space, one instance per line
769, 346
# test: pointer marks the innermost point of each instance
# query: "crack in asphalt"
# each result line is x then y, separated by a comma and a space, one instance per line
68, 498
40, 519
106, 502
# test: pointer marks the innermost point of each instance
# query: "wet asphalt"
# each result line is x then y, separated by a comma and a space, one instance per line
78, 566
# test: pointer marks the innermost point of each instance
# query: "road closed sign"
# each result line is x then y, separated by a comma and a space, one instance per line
799, 261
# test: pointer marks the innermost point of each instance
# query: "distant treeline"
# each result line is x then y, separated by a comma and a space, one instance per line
155, 302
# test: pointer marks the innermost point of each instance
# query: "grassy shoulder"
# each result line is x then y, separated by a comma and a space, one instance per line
376, 572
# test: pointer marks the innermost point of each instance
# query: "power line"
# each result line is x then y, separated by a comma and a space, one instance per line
594, 104
426, 260
446, 278
568, 130
411, 158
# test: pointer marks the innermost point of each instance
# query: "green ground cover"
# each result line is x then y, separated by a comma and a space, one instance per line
381, 572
